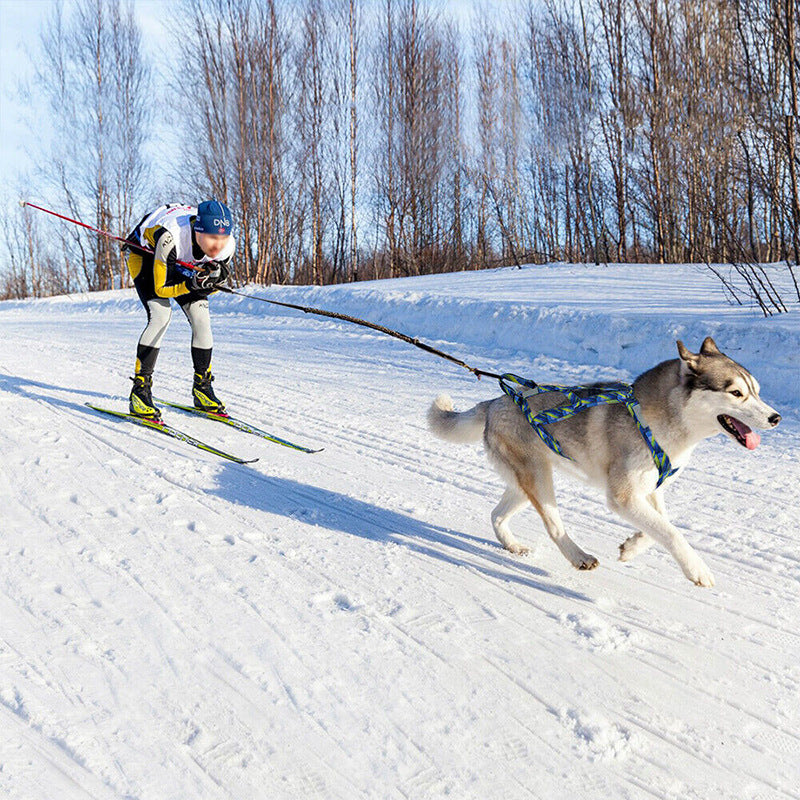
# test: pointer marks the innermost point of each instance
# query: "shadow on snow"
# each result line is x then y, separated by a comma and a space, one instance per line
334, 511
339, 512
27, 388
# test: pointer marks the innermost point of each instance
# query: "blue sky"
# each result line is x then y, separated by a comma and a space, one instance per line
20, 24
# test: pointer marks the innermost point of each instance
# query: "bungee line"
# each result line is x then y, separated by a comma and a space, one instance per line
306, 310
373, 325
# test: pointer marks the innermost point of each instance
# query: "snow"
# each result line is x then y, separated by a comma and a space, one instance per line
344, 624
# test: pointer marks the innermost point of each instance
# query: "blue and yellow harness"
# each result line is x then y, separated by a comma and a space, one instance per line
581, 398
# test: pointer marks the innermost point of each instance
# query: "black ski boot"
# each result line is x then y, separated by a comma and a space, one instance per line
141, 399
203, 394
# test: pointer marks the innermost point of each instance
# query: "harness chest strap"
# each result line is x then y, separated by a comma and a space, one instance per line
601, 395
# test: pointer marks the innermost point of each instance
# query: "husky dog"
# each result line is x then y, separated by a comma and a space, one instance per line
683, 401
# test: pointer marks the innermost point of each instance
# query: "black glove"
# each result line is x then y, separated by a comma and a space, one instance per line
208, 278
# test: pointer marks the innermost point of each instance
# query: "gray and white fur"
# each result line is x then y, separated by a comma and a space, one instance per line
683, 401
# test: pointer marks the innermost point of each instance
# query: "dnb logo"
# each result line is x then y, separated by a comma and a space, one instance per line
222, 224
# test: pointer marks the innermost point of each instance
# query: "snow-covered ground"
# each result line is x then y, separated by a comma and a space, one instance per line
344, 625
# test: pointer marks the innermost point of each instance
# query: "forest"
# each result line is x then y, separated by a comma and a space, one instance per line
359, 139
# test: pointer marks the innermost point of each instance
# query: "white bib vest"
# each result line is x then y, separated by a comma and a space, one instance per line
176, 218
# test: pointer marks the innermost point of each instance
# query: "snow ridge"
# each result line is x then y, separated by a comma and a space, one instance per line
507, 318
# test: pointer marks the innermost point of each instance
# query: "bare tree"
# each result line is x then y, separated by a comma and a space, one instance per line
487, 68
788, 21
411, 153
95, 83
33, 269
234, 59
313, 110
618, 118
354, 35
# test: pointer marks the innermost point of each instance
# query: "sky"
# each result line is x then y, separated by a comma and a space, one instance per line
21, 22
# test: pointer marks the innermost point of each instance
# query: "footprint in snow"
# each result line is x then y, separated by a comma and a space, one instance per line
334, 600
343, 603
598, 634
597, 739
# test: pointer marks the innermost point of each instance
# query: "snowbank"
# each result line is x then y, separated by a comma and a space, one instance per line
623, 316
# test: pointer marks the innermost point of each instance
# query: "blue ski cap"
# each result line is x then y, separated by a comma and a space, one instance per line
213, 217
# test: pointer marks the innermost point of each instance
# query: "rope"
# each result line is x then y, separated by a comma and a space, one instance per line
374, 326
478, 373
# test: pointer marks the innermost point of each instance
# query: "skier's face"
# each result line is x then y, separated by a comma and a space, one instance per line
211, 244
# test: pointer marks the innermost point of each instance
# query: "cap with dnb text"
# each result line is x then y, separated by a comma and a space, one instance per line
213, 217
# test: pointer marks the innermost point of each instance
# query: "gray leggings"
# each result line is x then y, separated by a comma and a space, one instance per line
159, 313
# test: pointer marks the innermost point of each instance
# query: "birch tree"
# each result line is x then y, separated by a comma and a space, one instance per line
96, 85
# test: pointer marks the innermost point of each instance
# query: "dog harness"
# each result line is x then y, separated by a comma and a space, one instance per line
581, 398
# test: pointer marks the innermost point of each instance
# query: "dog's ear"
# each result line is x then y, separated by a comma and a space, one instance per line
689, 361
710, 348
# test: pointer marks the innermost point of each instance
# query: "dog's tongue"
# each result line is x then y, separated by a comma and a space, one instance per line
751, 438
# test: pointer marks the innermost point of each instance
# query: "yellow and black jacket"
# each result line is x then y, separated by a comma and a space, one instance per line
168, 232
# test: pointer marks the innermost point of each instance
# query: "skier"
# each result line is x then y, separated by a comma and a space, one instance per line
176, 232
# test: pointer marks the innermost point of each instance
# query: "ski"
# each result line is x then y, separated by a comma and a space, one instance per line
240, 425
168, 430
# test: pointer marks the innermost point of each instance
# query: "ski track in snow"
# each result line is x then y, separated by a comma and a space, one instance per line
344, 624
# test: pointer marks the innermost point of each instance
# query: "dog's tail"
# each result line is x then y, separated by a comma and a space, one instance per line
453, 426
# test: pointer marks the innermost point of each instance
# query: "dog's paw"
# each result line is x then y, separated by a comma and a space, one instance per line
517, 549
587, 562
698, 573
634, 545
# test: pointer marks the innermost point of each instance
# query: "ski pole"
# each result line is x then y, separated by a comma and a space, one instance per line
108, 235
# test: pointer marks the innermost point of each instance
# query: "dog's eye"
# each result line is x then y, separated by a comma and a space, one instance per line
736, 393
